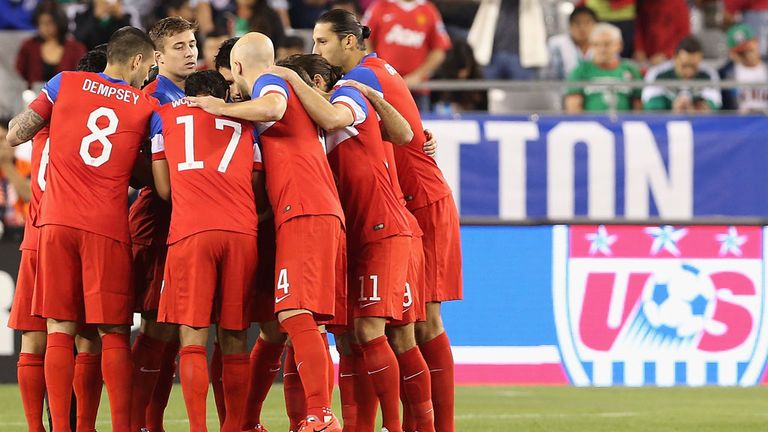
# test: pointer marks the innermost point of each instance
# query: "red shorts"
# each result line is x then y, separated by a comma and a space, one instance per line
442, 250
263, 303
310, 267
413, 298
377, 281
208, 279
21, 317
148, 269
84, 277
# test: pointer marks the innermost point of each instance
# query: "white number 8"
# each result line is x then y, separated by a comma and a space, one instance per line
100, 135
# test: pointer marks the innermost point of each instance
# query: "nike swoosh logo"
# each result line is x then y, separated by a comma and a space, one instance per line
435, 370
142, 369
367, 304
412, 376
378, 370
274, 369
290, 373
278, 300
406, 310
347, 375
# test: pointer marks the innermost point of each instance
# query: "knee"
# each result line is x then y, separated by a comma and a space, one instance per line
367, 329
270, 332
233, 341
33, 342
401, 338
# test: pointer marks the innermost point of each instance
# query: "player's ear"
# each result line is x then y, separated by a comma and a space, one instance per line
158, 54
319, 81
137, 60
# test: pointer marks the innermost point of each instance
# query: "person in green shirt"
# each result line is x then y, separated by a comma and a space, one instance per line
605, 66
685, 66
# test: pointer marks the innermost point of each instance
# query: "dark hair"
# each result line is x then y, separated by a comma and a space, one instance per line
354, 3
689, 44
345, 23
222, 59
582, 10
52, 8
126, 43
293, 42
207, 82
168, 27
296, 68
94, 60
315, 64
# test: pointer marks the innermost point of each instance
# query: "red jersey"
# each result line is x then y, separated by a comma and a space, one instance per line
365, 179
150, 215
421, 180
211, 160
97, 125
299, 179
404, 32
40, 147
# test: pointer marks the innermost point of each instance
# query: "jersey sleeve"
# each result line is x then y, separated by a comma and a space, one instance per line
156, 137
363, 75
438, 35
42, 106
351, 98
268, 84
52, 87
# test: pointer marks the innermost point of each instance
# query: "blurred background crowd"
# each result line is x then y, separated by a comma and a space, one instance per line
598, 41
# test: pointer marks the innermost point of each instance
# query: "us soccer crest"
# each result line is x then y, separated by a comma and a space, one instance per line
661, 305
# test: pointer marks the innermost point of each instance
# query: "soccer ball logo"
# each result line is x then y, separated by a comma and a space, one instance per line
678, 304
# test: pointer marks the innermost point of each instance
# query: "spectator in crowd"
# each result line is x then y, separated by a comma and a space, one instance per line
15, 189
291, 45
622, 14
605, 66
660, 26
745, 67
509, 38
348, 5
211, 46
51, 50
459, 64
257, 16
17, 15
409, 35
96, 24
685, 66
304, 13
568, 49
180, 8
753, 13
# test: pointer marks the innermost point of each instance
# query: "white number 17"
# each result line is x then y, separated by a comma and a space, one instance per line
189, 143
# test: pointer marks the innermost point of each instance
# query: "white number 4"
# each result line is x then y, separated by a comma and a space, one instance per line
189, 143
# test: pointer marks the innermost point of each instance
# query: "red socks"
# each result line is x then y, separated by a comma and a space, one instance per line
234, 378
87, 385
264, 366
147, 359
218, 384
193, 371
416, 387
381, 364
437, 353
59, 368
347, 392
365, 395
117, 368
31, 376
163, 387
311, 362
295, 402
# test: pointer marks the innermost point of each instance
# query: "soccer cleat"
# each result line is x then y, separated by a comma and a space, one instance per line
314, 424
259, 428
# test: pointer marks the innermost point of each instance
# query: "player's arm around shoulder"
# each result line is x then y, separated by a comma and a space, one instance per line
395, 127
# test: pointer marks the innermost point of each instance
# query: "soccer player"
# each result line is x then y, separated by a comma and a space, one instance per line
309, 268
266, 353
87, 380
156, 347
97, 124
338, 37
216, 231
378, 228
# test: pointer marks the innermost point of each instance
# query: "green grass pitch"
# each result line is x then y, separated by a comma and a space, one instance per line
536, 409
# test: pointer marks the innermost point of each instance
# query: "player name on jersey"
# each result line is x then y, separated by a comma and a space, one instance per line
121, 94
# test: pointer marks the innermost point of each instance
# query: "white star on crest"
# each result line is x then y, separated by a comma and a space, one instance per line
731, 242
666, 237
600, 241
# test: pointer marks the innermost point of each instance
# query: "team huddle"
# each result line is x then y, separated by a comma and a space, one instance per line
299, 195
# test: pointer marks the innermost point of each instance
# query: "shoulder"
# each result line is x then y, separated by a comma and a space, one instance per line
365, 75
660, 71
708, 72
630, 66
269, 83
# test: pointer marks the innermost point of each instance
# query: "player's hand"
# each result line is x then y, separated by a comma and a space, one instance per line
209, 104
362, 88
6, 154
283, 72
412, 80
430, 147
